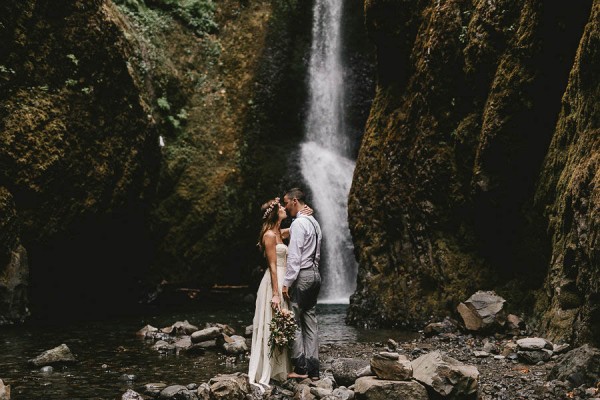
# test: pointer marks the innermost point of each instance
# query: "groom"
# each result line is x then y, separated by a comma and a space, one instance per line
301, 285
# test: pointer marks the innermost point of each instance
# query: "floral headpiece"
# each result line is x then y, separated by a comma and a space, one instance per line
270, 208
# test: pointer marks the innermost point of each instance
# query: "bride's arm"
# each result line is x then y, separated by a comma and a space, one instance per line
270, 243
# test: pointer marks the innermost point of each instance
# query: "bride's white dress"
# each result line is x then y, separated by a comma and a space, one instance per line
262, 368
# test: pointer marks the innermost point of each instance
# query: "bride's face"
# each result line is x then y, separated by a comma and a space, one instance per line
282, 214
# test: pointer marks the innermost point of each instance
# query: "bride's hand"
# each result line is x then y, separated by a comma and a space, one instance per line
306, 210
275, 302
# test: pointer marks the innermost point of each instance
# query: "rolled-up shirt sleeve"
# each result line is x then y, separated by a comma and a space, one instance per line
295, 249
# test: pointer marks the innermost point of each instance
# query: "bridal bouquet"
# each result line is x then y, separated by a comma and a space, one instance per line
283, 328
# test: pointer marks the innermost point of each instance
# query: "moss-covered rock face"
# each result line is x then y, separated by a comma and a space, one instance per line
442, 202
569, 194
79, 150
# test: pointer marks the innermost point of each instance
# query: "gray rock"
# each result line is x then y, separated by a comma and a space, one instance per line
371, 388
164, 347
343, 393
446, 376
481, 354
325, 383
4, 391
579, 366
482, 311
534, 343
436, 328
47, 369
153, 389
490, 347
130, 395
206, 334
320, 392
230, 387
184, 343
398, 369
58, 355
235, 345
513, 324
560, 348
347, 370
177, 392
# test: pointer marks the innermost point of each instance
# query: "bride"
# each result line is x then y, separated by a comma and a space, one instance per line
263, 368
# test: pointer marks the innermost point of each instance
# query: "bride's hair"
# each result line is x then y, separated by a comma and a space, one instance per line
270, 217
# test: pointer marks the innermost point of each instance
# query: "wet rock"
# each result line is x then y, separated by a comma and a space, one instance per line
58, 355
371, 388
153, 389
164, 347
184, 328
195, 350
482, 311
448, 325
4, 391
446, 376
391, 366
127, 377
347, 370
234, 386
579, 366
145, 330
183, 343
392, 344
47, 369
234, 344
206, 334
130, 395
177, 392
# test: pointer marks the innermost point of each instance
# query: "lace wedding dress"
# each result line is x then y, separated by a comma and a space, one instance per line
262, 368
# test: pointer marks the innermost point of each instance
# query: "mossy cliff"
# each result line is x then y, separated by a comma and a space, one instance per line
98, 211
467, 163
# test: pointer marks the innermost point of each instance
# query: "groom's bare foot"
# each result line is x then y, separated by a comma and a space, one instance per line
293, 375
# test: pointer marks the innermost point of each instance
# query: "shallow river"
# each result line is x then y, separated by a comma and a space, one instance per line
107, 349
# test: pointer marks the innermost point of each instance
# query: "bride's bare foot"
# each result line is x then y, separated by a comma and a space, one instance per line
293, 375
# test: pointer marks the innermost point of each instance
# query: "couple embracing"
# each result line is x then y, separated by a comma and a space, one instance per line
292, 283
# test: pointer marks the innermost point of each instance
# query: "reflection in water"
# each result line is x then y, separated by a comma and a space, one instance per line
108, 349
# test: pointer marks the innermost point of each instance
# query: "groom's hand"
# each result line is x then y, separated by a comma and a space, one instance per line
286, 294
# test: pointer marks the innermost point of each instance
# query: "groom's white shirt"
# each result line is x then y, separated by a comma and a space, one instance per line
302, 246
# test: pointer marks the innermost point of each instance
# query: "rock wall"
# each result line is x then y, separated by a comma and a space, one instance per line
442, 202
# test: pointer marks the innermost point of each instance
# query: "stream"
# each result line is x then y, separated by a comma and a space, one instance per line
107, 349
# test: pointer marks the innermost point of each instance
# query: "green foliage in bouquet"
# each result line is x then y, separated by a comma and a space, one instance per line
283, 328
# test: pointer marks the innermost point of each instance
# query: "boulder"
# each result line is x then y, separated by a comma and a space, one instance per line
184, 343
58, 355
391, 366
482, 311
534, 356
343, 393
203, 391
206, 334
371, 388
347, 370
177, 392
302, 392
446, 376
229, 387
130, 395
579, 366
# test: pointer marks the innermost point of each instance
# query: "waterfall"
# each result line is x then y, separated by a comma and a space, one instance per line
325, 160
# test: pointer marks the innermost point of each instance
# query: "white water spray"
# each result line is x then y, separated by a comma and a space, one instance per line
325, 162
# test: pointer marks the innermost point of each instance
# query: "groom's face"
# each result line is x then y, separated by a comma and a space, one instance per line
289, 205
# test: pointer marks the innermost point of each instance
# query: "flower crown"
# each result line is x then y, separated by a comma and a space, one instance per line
270, 208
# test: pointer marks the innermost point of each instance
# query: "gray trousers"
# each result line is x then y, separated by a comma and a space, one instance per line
305, 351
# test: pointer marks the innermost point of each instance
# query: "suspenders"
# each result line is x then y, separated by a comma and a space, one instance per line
316, 241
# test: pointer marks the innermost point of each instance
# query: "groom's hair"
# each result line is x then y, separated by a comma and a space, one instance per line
296, 193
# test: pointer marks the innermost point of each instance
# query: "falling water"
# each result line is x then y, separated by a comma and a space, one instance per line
325, 162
